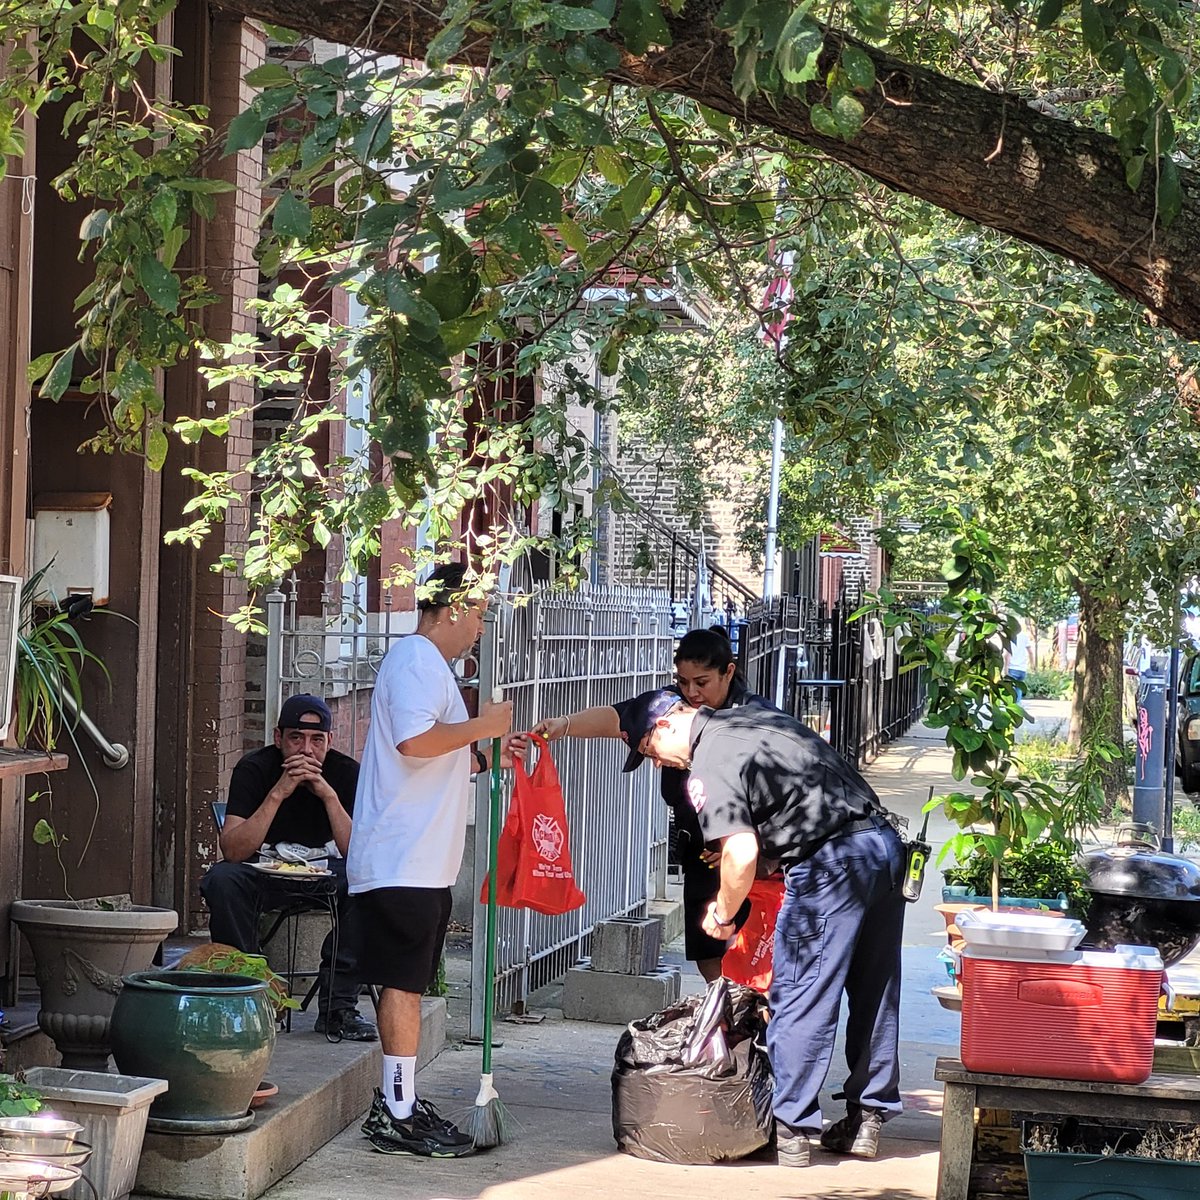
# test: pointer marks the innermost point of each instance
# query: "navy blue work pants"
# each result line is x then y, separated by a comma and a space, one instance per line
839, 930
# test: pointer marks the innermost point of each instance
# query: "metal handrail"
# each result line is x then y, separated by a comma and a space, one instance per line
115, 755
716, 573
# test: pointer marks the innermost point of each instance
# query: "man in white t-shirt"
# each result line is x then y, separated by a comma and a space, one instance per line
1017, 658
410, 824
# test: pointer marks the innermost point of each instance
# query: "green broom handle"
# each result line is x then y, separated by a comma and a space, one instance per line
489, 969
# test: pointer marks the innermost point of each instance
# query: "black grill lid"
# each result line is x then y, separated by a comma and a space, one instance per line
1137, 867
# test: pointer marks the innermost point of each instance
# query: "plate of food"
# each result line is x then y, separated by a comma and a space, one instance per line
291, 870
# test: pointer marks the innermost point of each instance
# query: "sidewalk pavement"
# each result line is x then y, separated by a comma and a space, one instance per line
554, 1078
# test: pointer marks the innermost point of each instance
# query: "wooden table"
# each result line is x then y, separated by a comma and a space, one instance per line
1160, 1098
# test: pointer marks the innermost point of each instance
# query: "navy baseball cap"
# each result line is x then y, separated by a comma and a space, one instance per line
296, 708
639, 717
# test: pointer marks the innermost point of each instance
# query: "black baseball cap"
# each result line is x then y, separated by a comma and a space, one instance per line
296, 708
639, 717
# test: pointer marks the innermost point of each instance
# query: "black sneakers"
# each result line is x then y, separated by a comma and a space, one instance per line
856, 1133
346, 1025
426, 1133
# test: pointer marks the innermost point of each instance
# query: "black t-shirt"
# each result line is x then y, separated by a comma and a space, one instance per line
301, 817
757, 769
673, 784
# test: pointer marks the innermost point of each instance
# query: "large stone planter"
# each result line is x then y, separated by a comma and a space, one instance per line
209, 1035
80, 955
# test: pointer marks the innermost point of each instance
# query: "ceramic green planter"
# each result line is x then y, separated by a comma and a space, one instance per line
209, 1035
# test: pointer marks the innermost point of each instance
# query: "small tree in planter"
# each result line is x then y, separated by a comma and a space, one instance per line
963, 645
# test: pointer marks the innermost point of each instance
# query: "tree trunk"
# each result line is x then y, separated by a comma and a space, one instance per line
1096, 709
987, 156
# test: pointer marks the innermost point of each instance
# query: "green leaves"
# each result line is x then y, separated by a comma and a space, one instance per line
246, 130
94, 225
799, 47
859, 69
1170, 194
159, 284
156, 447
641, 25
573, 19
59, 378
269, 75
291, 217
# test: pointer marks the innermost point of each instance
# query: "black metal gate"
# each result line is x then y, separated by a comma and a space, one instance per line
810, 659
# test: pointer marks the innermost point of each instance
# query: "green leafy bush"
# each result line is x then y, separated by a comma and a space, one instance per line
1047, 684
16, 1098
1039, 871
1043, 757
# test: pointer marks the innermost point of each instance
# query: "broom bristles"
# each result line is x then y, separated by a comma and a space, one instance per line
489, 1123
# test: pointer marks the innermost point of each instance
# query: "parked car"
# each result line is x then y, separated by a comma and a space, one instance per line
1187, 743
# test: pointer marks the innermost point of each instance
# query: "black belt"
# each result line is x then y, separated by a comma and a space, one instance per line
858, 825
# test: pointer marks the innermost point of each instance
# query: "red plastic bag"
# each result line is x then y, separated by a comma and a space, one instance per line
545, 880
533, 860
751, 955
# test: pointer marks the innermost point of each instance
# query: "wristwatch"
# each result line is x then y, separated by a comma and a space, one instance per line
481, 762
717, 919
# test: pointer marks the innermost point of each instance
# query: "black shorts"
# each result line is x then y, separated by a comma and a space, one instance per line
401, 934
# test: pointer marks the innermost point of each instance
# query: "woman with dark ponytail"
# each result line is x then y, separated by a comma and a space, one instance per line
706, 673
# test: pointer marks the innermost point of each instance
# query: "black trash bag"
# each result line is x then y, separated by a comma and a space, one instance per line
692, 1084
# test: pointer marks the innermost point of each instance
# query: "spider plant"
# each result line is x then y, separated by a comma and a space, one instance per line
51, 658
50, 661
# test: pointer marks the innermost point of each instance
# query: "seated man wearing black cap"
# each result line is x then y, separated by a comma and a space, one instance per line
765, 786
298, 792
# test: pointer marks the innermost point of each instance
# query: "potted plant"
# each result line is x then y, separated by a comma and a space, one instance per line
17, 1098
227, 960
81, 948
113, 1110
1043, 874
1072, 1160
208, 1033
1009, 811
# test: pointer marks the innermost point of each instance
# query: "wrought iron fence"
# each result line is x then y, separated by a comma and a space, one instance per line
811, 660
554, 653
549, 652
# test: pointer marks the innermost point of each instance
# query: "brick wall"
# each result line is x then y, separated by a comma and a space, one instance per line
651, 476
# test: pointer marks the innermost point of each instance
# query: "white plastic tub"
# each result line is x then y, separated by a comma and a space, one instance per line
1015, 931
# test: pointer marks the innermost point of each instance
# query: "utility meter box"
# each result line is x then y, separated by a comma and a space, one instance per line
70, 538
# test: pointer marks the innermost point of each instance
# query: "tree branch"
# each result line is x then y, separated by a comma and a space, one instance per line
1049, 182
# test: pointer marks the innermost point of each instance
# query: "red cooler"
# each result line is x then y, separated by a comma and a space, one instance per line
1087, 1015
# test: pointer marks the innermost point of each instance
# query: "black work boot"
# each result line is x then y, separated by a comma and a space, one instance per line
856, 1133
791, 1146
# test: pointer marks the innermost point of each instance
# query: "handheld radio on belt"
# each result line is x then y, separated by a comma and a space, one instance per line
915, 862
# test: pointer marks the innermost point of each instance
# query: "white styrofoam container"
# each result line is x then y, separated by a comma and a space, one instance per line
1017, 931
1119, 958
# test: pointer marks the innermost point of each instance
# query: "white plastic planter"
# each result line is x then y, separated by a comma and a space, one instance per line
112, 1110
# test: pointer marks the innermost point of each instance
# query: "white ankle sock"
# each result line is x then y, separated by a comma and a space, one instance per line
399, 1085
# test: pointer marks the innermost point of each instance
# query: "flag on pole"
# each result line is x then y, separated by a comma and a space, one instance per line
777, 299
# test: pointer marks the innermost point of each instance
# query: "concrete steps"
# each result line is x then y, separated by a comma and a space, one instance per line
323, 1088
